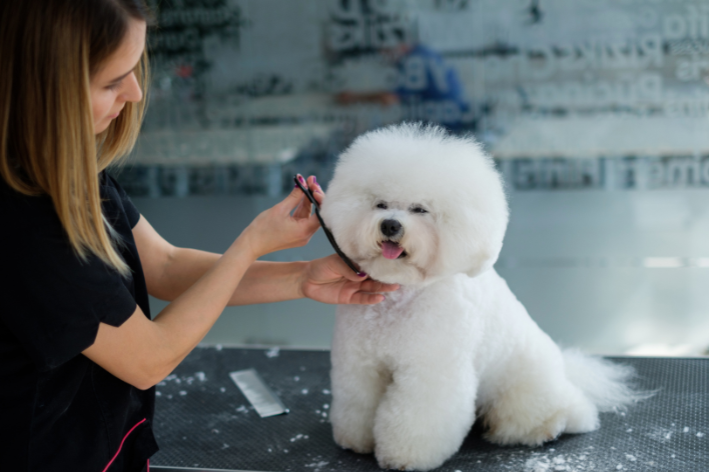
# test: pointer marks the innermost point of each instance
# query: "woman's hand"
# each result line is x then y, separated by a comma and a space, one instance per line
285, 225
330, 280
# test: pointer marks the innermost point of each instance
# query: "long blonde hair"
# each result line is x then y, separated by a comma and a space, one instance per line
49, 50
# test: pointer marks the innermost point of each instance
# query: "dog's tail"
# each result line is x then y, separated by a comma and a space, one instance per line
607, 384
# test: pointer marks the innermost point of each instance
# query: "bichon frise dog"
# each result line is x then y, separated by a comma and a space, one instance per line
415, 206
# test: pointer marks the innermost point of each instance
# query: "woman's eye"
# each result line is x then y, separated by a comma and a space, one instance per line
382, 206
419, 210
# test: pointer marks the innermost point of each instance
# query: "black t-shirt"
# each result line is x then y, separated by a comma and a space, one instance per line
58, 409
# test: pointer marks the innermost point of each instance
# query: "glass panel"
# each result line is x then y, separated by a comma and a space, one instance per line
595, 111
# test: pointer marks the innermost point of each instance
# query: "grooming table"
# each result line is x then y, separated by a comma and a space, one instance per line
203, 422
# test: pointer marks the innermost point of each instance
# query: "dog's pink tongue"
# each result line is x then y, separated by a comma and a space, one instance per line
391, 250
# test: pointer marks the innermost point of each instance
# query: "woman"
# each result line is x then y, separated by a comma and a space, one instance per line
79, 354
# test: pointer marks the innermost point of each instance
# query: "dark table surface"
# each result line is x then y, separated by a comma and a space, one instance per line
203, 422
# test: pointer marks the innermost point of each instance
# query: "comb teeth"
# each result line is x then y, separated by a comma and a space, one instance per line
264, 401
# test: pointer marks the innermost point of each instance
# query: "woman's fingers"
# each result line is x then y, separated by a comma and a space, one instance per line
315, 189
312, 220
364, 283
363, 298
292, 200
355, 293
330, 280
368, 292
303, 209
359, 289
287, 224
297, 205
374, 286
339, 268
312, 184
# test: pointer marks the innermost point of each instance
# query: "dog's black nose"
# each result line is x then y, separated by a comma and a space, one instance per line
390, 227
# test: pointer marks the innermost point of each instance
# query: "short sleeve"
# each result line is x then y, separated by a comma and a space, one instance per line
54, 301
123, 200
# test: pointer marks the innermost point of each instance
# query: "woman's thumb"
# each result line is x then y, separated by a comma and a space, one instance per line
293, 198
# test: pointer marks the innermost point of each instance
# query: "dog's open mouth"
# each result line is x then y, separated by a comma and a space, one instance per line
392, 250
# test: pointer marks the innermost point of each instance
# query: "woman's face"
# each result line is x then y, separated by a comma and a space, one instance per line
115, 82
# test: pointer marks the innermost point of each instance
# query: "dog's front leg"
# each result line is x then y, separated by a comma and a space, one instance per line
425, 414
357, 387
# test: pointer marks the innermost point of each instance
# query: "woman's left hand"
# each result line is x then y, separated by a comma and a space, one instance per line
330, 280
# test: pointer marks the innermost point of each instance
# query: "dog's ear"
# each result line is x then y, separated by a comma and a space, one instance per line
471, 235
482, 263
470, 239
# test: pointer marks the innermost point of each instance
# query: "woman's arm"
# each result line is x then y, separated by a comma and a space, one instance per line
142, 352
170, 271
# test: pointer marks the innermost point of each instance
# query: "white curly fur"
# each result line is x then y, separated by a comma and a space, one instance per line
410, 374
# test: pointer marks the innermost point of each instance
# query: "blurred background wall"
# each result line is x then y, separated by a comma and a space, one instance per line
595, 111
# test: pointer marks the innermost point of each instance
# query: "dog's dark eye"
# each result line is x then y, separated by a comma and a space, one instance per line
382, 206
418, 210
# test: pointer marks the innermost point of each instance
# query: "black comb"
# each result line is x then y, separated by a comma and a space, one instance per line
329, 235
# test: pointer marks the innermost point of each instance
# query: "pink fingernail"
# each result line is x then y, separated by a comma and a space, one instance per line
302, 180
315, 180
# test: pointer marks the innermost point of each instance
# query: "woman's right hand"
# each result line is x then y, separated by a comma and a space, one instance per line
286, 225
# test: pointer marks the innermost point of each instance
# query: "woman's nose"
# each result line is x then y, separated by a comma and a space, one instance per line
133, 92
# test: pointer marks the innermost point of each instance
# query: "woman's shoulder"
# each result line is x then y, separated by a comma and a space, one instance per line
19, 210
117, 203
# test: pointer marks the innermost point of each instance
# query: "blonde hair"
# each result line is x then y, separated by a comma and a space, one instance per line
49, 51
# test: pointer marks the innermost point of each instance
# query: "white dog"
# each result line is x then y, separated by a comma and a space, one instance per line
415, 206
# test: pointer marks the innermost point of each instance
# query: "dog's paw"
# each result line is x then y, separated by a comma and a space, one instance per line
397, 463
400, 462
407, 456
393, 465
509, 434
362, 443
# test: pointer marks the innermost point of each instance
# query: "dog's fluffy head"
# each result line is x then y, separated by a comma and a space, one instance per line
411, 203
